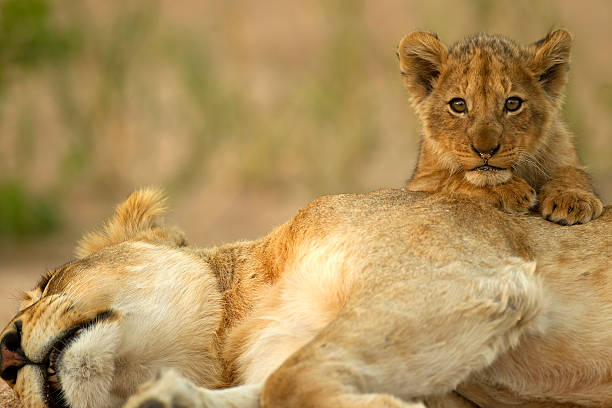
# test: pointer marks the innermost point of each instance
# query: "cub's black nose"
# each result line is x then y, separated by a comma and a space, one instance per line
12, 357
485, 152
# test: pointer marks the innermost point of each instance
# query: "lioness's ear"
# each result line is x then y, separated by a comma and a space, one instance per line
137, 219
421, 57
551, 61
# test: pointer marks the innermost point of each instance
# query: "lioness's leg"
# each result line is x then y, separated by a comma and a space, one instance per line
171, 390
451, 400
413, 338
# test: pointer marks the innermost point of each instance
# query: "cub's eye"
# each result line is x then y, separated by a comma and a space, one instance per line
458, 105
513, 104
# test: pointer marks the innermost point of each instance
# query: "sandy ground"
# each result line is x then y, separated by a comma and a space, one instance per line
7, 398
23, 264
14, 280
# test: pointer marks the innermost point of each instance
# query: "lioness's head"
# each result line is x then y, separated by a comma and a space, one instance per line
135, 301
487, 103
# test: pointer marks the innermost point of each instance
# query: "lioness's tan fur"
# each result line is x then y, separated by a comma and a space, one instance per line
387, 299
531, 147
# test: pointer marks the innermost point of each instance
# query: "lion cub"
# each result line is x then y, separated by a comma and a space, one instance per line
492, 125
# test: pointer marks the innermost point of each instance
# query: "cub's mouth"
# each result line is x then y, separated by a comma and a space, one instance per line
487, 167
52, 387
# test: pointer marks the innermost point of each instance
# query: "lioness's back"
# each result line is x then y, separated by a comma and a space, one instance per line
415, 225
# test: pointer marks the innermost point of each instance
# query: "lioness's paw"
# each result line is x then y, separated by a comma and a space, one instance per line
570, 207
167, 390
515, 196
171, 390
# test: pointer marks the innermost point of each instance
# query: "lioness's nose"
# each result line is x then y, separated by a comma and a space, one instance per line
12, 357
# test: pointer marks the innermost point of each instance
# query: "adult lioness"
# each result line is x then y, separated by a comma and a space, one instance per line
387, 299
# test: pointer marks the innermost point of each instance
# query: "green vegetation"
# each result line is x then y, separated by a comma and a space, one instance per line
24, 214
28, 40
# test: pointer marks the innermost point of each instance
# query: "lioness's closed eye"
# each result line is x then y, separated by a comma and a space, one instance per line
491, 123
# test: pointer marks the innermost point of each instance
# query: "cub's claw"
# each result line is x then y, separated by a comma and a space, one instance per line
570, 207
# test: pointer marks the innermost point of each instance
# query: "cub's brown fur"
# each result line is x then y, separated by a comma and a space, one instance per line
491, 123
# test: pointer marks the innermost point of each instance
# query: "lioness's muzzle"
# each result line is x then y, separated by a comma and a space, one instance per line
12, 356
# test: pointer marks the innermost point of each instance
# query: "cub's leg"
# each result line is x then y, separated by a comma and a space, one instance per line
568, 198
409, 338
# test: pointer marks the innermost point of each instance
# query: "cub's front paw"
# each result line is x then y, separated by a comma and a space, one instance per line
570, 207
515, 196
167, 390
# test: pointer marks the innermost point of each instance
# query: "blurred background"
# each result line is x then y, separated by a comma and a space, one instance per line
243, 111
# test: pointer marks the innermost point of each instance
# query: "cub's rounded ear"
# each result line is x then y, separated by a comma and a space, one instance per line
421, 56
550, 63
138, 218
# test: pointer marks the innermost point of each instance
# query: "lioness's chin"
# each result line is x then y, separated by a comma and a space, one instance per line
481, 178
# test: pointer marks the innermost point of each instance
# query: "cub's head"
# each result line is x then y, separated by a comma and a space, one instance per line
135, 300
487, 103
